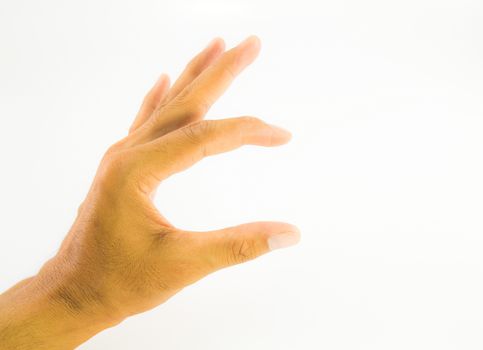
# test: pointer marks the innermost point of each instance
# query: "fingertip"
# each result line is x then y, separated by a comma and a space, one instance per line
277, 234
257, 44
162, 86
163, 79
250, 47
217, 44
211, 53
168, 80
287, 237
279, 135
252, 40
256, 40
161, 89
220, 42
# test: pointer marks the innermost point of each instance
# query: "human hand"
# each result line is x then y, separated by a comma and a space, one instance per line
121, 256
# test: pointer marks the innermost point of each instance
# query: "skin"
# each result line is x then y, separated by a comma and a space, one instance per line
121, 256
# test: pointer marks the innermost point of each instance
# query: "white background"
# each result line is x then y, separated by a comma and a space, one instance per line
383, 175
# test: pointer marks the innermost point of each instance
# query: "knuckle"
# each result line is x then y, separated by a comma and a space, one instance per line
250, 121
191, 133
177, 101
195, 132
228, 69
198, 107
112, 163
244, 125
193, 68
189, 105
113, 170
241, 251
114, 148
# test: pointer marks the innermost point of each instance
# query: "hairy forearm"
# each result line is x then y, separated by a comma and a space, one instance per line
36, 316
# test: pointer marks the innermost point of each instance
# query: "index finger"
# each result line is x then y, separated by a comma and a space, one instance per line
184, 147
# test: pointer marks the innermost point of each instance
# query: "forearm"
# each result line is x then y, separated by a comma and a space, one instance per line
35, 317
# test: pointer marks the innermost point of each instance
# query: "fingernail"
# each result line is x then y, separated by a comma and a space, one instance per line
252, 41
283, 240
280, 129
280, 134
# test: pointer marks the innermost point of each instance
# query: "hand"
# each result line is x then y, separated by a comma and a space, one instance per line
121, 256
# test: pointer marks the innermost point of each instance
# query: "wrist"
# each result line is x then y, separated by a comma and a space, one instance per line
46, 312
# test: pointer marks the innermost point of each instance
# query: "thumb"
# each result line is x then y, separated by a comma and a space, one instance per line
238, 244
